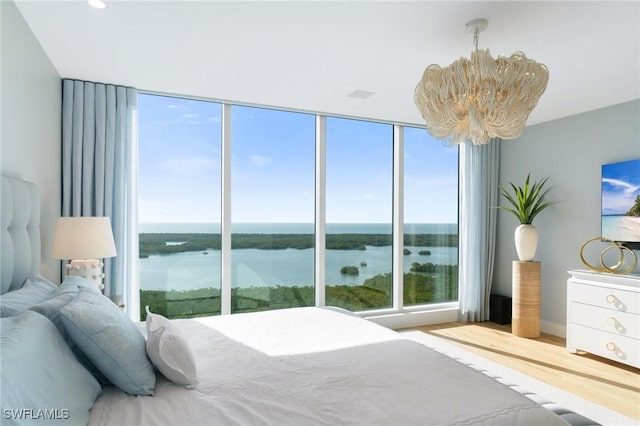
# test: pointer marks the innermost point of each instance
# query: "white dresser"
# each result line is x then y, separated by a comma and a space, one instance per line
603, 315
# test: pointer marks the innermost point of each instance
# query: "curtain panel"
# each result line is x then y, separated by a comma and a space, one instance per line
99, 151
478, 212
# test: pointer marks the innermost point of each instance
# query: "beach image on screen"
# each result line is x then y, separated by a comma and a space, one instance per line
621, 201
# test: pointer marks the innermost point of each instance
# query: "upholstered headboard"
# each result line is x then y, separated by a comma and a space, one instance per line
20, 218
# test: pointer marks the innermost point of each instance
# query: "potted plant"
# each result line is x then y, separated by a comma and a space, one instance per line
525, 204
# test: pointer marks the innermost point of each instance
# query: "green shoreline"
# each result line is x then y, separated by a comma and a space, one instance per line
374, 293
156, 243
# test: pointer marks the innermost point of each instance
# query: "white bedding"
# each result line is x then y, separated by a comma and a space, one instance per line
314, 366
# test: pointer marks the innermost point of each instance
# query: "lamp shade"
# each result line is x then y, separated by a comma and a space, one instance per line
83, 238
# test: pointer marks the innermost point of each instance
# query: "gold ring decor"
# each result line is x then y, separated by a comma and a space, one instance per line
613, 246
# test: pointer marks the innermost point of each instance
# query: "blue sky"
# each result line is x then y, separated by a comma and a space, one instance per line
273, 167
620, 186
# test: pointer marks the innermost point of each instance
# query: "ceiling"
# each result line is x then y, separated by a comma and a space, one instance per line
310, 56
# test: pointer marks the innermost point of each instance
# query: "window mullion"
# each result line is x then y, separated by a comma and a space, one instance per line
225, 231
398, 216
320, 214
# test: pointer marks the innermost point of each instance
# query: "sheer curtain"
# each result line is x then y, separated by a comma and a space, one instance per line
99, 177
478, 212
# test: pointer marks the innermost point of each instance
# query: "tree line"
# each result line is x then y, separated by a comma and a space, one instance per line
374, 293
156, 243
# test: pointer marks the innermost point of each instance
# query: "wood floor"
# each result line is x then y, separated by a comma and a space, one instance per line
607, 383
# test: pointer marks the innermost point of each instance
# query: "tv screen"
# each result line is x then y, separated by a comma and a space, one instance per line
621, 202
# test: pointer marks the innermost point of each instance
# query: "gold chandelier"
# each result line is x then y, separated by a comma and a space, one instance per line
480, 98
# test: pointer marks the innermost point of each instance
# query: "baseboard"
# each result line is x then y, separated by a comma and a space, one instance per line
553, 328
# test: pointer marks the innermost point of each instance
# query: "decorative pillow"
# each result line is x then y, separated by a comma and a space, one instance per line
35, 289
50, 308
110, 340
40, 376
169, 351
81, 282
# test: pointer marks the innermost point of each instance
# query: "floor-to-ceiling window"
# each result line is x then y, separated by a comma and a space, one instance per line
430, 220
179, 205
359, 200
272, 196
272, 209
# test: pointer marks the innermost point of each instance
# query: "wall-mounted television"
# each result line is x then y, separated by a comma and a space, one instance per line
621, 203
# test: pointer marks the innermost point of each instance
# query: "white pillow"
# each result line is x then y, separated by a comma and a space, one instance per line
169, 351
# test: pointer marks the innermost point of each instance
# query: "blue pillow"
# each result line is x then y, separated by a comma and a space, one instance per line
110, 340
40, 377
34, 290
80, 282
50, 308
61, 296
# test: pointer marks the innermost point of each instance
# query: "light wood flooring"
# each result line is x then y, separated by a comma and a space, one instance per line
607, 383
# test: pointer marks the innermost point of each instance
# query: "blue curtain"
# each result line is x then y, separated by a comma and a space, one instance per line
478, 212
99, 151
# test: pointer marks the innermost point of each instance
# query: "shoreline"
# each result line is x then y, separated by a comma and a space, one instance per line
632, 224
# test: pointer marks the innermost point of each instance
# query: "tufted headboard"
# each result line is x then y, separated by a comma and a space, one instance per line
20, 218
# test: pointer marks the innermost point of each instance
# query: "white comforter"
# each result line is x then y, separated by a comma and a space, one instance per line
313, 366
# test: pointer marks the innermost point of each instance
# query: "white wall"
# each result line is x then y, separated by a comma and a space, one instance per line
30, 117
570, 151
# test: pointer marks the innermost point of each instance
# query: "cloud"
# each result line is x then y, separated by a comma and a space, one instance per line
367, 197
620, 184
190, 166
176, 106
196, 119
260, 161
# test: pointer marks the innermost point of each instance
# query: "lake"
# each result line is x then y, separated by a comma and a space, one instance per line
255, 267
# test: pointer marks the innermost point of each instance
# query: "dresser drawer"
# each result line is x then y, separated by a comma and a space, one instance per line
621, 323
607, 345
619, 300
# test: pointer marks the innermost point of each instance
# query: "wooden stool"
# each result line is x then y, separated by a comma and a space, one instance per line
525, 321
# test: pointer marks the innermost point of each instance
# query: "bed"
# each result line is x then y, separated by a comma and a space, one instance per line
299, 366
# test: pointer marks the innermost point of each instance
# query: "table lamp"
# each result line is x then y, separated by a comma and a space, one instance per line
84, 240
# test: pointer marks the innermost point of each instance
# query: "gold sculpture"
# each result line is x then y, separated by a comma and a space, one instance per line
603, 267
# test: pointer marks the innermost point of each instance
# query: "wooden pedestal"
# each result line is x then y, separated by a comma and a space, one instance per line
525, 321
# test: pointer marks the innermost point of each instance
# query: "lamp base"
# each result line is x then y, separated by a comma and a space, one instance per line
90, 269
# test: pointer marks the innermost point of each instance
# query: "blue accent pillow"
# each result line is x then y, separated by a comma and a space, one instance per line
50, 308
61, 296
80, 282
40, 375
110, 340
35, 289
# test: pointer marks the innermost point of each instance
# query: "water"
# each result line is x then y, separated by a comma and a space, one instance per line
621, 228
298, 228
254, 267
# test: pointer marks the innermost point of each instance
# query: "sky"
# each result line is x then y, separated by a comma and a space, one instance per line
273, 167
620, 186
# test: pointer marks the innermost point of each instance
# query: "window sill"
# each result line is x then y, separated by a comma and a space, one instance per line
413, 316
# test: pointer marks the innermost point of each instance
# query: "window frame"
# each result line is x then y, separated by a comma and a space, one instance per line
396, 316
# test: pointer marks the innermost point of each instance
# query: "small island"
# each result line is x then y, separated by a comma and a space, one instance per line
350, 270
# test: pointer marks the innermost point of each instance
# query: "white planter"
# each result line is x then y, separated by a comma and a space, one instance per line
526, 239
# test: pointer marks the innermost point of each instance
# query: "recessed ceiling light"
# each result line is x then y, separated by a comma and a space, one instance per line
98, 4
361, 94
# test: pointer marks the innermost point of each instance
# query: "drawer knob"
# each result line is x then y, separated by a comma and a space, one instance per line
611, 298
612, 321
611, 346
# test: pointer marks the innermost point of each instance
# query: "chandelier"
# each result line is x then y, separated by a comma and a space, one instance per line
480, 98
